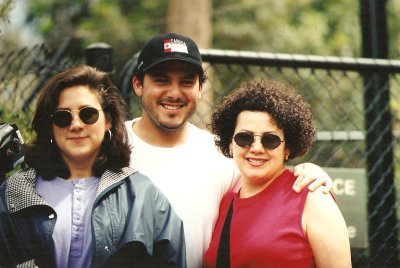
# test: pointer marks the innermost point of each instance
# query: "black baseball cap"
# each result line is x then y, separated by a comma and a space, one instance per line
170, 46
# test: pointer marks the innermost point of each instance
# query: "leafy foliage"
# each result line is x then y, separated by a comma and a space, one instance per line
5, 8
321, 27
288, 26
125, 25
22, 120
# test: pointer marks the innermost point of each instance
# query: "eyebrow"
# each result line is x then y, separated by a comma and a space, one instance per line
262, 133
79, 108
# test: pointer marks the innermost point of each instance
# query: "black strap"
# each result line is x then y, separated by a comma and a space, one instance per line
223, 255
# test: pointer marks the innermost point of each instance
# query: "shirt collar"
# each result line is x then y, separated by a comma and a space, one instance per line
20, 188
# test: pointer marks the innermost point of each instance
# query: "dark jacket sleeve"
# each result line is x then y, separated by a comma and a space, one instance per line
19, 244
137, 225
12, 246
169, 240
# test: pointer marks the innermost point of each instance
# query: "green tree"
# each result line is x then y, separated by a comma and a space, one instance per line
322, 27
5, 9
125, 25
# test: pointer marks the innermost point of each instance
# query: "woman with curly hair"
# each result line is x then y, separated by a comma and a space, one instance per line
262, 125
79, 204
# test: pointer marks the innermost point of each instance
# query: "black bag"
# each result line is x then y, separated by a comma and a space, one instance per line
10, 148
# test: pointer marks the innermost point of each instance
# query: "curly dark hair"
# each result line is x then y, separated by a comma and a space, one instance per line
281, 101
44, 155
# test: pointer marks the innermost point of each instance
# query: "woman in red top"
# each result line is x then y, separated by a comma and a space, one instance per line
262, 125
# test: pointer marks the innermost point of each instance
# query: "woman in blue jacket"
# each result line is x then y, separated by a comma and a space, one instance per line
78, 204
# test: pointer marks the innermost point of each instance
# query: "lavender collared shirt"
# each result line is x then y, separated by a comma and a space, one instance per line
72, 201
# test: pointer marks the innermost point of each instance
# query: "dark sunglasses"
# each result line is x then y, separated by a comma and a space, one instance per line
63, 118
268, 140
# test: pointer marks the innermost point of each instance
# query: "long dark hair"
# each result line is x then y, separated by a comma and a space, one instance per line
44, 155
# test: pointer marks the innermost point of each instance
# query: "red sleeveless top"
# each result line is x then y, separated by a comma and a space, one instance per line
266, 228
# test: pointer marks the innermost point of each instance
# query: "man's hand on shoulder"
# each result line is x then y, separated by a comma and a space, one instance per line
308, 172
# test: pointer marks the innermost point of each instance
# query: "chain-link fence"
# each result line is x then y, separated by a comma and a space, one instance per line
19, 70
23, 73
356, 106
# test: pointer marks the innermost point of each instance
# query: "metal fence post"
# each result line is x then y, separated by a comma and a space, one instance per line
382, 219
99, 55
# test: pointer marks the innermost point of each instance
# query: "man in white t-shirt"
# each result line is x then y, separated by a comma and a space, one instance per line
180, 158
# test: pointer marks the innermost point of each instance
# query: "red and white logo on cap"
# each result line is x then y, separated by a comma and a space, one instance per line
175, 45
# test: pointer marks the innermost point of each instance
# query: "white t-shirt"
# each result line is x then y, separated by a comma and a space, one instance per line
193, 176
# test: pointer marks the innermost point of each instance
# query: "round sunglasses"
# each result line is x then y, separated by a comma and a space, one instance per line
268, 140
63, 118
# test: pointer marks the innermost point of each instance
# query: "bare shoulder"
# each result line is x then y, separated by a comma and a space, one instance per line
326, 230
321, 206
319, 196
